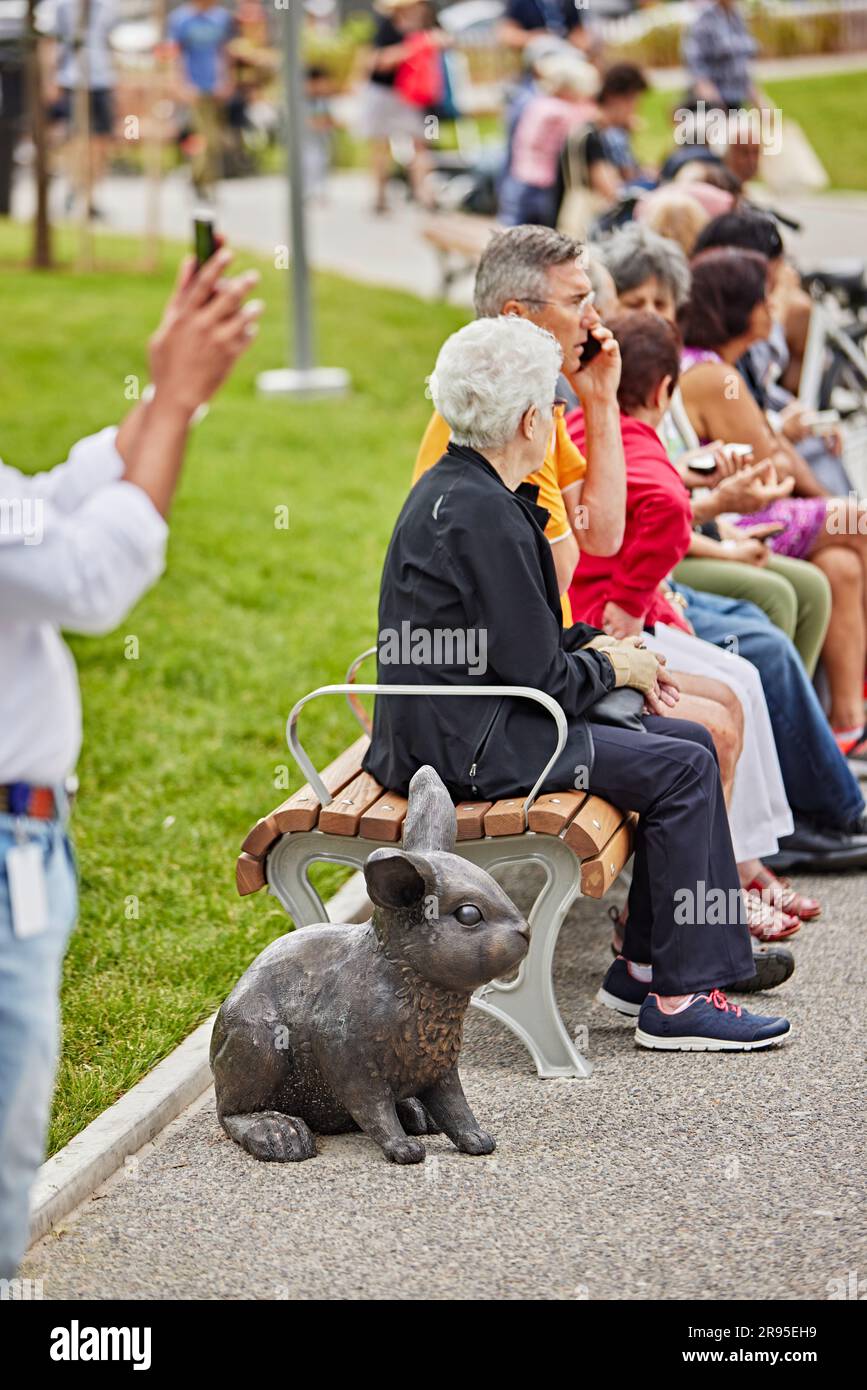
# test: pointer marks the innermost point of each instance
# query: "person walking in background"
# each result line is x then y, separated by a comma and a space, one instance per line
87, 540
92, 66
201, 32
717, 51
405, 80
526, 20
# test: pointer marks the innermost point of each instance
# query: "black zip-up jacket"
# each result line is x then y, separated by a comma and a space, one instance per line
469, 556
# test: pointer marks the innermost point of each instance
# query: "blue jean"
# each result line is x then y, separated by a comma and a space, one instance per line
29, 1027
818, 782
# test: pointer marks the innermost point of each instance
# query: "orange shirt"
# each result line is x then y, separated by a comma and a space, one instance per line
563, 466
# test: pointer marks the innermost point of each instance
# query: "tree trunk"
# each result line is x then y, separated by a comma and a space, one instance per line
41, 257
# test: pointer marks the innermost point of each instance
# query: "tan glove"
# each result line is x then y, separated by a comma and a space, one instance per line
600, 643
633, 666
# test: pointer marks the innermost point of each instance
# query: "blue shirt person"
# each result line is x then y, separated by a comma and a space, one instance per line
201, 31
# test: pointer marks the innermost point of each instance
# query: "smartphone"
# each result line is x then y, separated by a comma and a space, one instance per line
821, 420
591, 349
204, 235
774, 530
705, 463
737, 451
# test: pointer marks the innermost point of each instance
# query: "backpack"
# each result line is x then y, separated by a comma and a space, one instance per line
419, 79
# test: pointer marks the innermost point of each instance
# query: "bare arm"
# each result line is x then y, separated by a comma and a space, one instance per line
512, 35
719, 405
605, 180
566, 555
205, 329
603, 492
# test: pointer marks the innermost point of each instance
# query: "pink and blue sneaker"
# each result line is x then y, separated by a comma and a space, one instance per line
710, 1024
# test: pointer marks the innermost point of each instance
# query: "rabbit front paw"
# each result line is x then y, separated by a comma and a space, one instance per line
474, 1141
404, 1150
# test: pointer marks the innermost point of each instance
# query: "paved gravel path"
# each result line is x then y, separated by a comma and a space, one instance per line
661, 1177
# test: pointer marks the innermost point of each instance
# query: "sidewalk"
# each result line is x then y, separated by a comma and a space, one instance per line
679, 1176
345, 236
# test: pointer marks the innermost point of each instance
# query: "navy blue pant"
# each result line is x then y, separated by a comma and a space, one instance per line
683, 851
818, 781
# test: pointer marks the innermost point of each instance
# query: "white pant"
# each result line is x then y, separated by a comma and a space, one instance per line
759, 813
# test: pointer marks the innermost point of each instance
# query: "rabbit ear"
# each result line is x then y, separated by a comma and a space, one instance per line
393, 879
431, 823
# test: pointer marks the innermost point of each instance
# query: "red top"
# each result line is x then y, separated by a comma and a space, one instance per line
658, 529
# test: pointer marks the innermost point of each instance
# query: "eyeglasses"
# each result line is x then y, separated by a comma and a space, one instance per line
583, 302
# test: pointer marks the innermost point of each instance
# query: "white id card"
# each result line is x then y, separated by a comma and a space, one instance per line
25, 870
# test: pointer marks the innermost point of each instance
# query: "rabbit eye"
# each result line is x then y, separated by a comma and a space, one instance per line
467, 915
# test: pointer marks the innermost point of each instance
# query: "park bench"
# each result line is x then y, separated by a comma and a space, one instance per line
581, 843
459, 238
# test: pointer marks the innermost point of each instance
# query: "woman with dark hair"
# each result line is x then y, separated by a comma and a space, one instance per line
726, 313
766, 365
650, 272
628, 594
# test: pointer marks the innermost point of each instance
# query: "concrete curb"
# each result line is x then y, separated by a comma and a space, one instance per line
89, 1159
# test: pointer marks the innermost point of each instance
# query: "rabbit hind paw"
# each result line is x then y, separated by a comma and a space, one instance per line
414, 1118
271, 1136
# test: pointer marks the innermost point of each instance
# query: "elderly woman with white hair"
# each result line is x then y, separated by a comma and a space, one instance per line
468, 557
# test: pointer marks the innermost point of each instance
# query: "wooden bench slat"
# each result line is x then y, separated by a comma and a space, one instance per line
592, 827
471, 819
342, 815
249, 874
301, 810
463, 233
598, 873
505, 817
384, 819
551, 813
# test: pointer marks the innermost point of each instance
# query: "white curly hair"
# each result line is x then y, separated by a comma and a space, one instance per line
488, 375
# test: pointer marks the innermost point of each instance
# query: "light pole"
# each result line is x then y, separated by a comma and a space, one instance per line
304, 379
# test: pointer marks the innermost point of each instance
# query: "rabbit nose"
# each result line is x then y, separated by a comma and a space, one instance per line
523, 930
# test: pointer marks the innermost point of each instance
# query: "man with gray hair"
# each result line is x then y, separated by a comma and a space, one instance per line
468, 553
536, 273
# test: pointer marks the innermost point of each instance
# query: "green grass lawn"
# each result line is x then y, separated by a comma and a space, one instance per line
181, 745
830, 109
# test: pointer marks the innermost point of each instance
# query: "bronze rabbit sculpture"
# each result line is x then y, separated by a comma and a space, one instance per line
339, 1028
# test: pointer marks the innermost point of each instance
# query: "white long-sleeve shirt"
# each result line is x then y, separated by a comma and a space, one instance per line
78, 548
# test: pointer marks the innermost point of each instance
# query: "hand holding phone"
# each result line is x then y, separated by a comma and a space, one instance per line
589, 350
205, 241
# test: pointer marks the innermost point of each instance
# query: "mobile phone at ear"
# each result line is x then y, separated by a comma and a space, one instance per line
590, 349
204, 236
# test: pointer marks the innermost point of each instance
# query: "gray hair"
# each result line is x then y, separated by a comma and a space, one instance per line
488, 375
515, 265
634, 253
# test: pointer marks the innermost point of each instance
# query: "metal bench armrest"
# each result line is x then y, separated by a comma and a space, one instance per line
524, 692
358, 710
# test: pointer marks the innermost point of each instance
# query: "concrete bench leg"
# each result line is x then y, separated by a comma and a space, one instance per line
526, 1005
